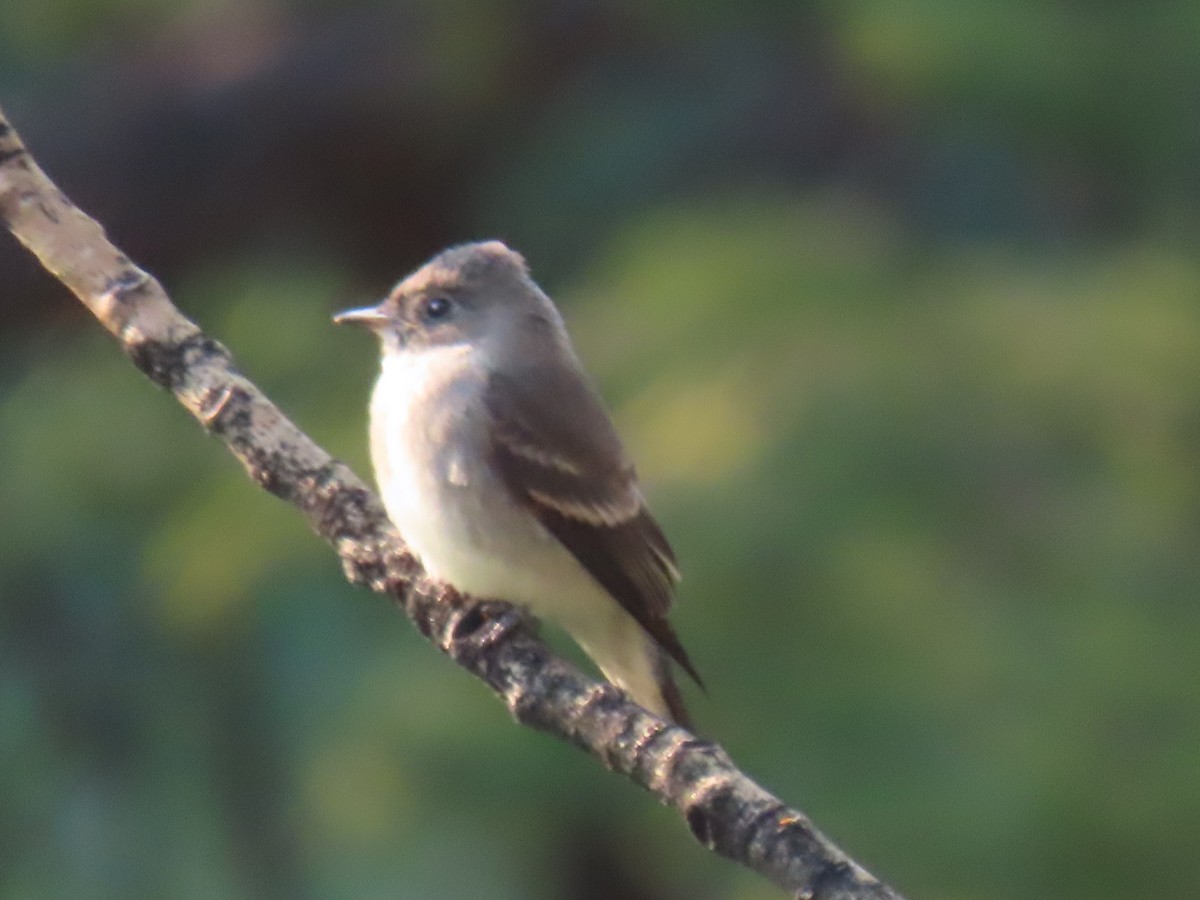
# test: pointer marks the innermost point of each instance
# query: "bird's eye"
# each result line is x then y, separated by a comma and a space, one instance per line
435, 309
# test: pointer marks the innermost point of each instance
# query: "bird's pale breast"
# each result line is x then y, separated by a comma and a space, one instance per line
430, 448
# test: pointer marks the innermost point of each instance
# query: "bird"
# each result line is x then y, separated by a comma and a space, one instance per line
500, 467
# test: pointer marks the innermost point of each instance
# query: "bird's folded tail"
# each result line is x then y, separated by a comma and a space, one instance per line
671, 695
633, 661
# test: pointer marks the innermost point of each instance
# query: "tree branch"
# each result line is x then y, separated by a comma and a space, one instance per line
724, 809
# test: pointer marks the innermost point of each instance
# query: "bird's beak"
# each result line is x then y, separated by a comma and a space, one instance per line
368, 316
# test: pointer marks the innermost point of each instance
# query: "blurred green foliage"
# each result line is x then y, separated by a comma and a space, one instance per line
932, 466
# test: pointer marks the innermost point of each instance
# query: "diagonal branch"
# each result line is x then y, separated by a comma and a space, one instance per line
725, 810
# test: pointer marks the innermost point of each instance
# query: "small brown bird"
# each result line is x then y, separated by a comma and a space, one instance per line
498, 464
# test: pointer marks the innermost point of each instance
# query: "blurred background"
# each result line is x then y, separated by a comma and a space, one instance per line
896, 304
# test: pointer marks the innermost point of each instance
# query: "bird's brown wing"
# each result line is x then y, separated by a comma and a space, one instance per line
554, 447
